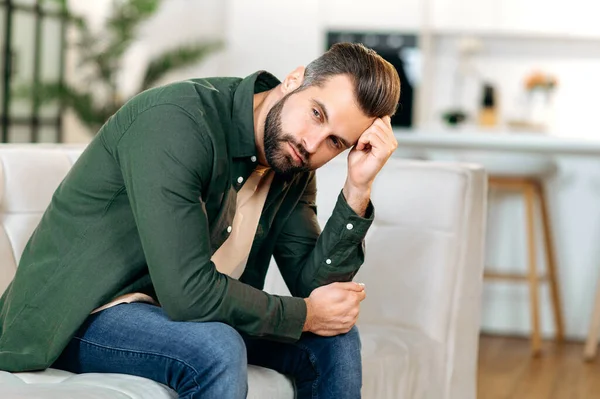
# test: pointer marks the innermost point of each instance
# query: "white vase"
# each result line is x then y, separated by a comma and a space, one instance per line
540, 107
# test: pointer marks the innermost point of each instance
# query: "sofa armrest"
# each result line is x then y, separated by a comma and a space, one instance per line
424, 256
424, 259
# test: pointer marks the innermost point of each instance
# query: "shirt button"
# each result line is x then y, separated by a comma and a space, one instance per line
328, 261
253, 158
229, 229
349, 226
240, 179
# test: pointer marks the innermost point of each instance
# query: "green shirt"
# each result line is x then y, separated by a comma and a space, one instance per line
144, 208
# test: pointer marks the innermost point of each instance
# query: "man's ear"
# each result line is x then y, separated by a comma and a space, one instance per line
293, 80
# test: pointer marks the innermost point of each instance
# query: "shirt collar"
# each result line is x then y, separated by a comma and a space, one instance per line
243, 143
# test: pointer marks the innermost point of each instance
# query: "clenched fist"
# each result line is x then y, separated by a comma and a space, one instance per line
333, 309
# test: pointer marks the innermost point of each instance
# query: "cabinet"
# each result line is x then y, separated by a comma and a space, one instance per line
549, 18
449, 16
376, 15
552, 19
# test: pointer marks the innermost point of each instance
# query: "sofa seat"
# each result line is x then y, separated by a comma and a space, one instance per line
397, 362
58, 384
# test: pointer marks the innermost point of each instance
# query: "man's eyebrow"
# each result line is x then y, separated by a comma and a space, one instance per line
344, 142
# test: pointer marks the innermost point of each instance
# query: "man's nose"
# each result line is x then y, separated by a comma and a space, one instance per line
312, 142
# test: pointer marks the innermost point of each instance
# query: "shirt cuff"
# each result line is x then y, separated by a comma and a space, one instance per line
295, 311
350, 226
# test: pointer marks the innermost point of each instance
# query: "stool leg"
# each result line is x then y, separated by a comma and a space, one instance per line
536, 340
551, 265
591, 344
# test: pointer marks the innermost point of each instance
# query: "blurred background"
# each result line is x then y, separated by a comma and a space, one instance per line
507, 64
519, 75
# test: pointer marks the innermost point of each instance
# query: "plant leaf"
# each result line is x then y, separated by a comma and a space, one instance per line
176, 58
82, 103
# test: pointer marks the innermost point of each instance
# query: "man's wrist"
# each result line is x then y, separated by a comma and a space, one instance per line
357, 197
308, 321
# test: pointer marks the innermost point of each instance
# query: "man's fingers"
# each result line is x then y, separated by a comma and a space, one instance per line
385, 125
385, 122
381, 130
381, 126
352, 286
361, 295
379, 143
382, 139
363, 140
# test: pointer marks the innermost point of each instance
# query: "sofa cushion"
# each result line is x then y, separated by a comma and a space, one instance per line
58, 384
397, 363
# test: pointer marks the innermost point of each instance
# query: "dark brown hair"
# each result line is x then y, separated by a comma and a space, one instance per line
376, 81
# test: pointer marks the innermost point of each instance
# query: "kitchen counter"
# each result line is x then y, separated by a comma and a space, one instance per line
496, 141
574, 196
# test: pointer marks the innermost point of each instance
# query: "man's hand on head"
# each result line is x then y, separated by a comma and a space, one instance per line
365, 160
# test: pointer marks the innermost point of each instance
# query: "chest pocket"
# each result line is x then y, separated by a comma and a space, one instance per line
221, 224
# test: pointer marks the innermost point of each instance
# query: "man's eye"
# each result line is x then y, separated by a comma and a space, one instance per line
317, 114
335, 141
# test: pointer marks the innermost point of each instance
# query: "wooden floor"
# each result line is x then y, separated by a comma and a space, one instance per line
507, 371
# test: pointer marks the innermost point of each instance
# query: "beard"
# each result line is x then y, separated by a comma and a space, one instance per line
275, 144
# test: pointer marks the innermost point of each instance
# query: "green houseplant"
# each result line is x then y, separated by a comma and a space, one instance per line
101, 54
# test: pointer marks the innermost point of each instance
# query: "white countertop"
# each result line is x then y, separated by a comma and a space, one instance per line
496, 141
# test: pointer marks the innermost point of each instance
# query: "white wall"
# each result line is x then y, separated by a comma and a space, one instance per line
274, 35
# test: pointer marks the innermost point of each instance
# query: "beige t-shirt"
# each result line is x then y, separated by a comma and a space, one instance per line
231, 257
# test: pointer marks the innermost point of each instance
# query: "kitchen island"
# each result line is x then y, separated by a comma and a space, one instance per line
574, 200
498, 141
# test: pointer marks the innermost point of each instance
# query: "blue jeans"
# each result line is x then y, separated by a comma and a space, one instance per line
208, 360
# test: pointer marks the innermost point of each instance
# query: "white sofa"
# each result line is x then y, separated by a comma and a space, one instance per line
419, 324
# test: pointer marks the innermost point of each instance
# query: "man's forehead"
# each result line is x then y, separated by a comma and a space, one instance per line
336, 96
338, 85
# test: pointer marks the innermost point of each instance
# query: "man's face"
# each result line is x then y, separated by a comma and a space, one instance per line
306, 129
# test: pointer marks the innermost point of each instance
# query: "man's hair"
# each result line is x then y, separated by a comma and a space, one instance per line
376, 81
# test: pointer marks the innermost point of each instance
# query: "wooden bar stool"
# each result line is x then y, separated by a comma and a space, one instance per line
591, 344
525, 174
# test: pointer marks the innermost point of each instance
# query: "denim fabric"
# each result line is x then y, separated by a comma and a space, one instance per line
209, 359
